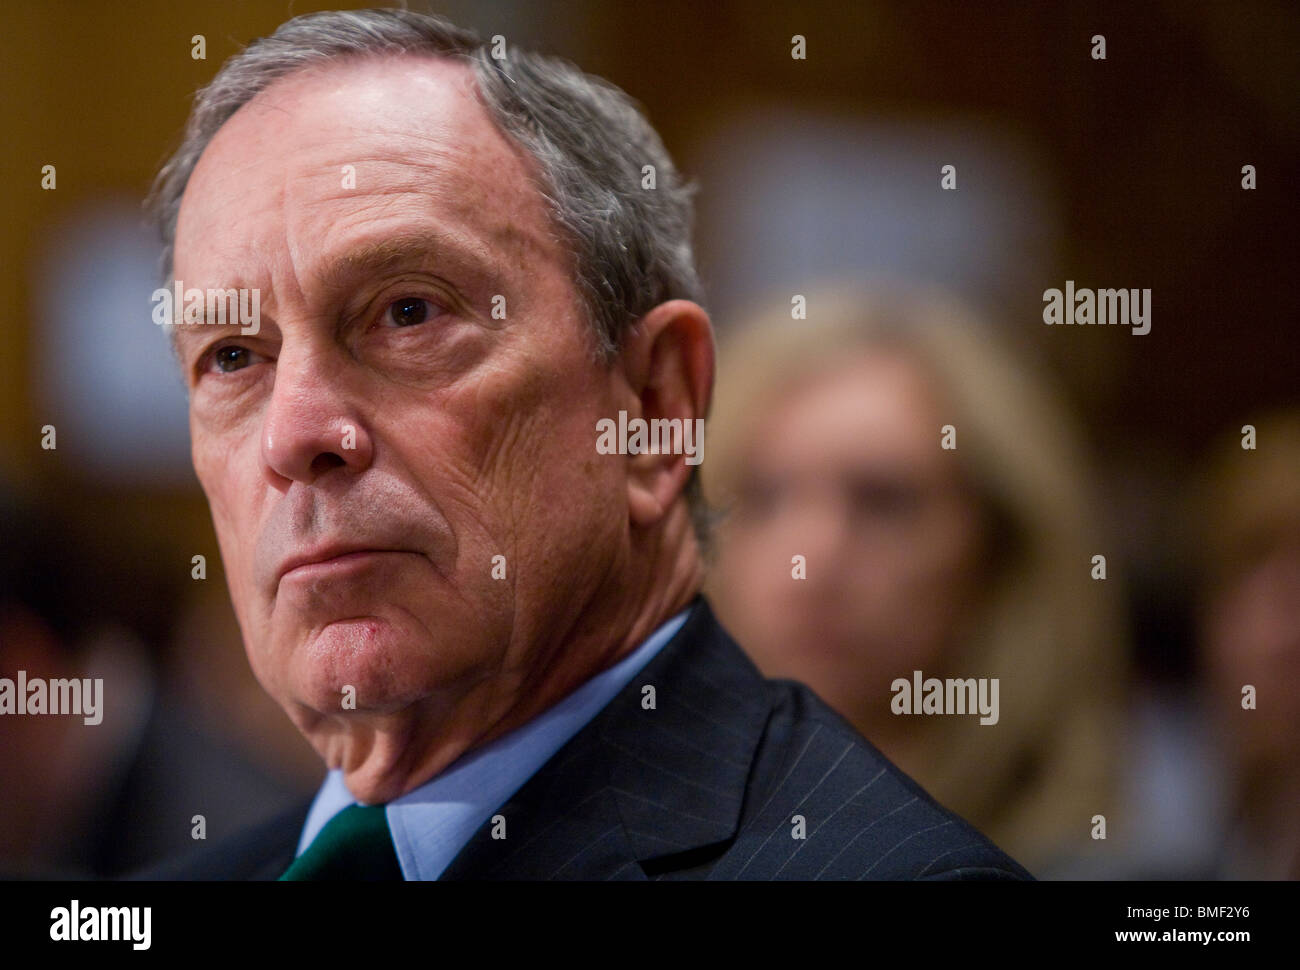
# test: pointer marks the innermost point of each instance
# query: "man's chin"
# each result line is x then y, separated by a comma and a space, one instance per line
373, 787
363, 666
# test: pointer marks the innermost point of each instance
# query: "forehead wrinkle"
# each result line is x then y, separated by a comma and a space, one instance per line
485, 219
481, 188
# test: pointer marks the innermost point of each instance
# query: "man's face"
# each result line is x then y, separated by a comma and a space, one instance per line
384, 438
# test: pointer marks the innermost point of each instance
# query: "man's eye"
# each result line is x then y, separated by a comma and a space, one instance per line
231, 358
408, 311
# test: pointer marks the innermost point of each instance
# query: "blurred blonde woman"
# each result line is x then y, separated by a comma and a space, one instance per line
967, 562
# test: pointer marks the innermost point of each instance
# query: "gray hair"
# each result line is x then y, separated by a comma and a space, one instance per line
631, 246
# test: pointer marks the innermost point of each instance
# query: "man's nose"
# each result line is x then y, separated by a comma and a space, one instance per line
312, 424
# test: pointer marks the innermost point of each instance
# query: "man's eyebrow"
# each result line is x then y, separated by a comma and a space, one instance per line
466, 262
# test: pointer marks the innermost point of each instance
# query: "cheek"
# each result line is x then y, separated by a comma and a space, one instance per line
229, 481
535, 438
508, 457
756, 562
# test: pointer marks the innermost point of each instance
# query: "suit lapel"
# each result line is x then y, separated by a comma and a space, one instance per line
642, 790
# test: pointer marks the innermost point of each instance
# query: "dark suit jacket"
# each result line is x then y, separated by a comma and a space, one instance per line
706, 785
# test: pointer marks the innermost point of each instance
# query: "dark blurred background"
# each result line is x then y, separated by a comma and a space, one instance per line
1122, 172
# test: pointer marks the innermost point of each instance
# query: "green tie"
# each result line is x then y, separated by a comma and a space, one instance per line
354, 845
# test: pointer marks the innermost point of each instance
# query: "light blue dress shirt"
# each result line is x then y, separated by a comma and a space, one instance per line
431, 824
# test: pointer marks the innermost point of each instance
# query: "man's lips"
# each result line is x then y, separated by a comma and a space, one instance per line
329, 558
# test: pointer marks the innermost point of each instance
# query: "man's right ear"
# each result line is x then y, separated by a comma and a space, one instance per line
668, 360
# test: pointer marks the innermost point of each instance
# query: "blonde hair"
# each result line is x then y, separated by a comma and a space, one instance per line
1247, 500
1045, 628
